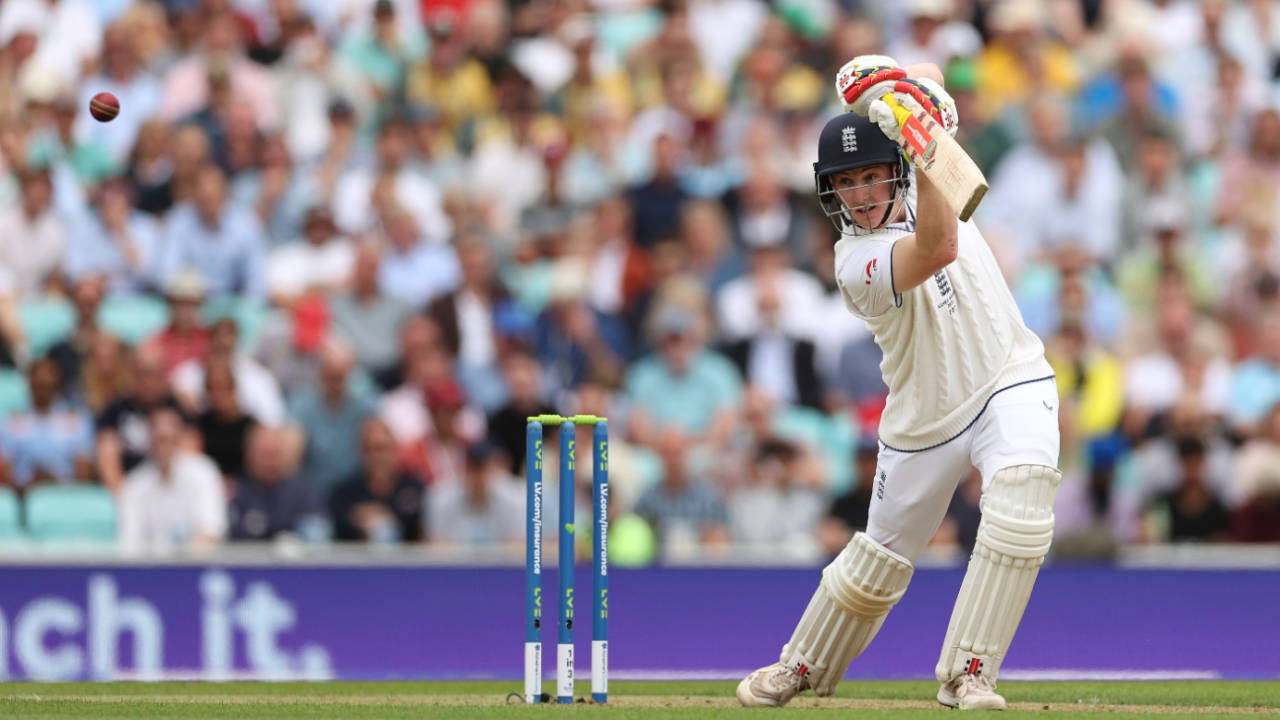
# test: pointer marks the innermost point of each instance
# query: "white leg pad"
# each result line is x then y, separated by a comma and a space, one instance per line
1013, 539
856, 593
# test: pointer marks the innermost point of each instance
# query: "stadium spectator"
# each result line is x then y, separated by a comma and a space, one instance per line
222, 242
682, 385
656, 203
414, 270
1255, 381
1191, 511
86, 296
186, 86
367, 320
185, 339
104, 375
683, 510
1164, 245
525, 398
772, 508
738, 302
174, 500
115, 240
123, 431
123, 75
361, 192
774, 360
258, 392
380, 504
381, 54
468, 318
486, 506
573, 338
330, 415
320, 261
268, 498
223, 426
50, 442
1257, 483
35, 238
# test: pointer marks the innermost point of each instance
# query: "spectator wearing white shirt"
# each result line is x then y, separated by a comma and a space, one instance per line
737, 303
1183, 360
322, 259
69, 33
355, 205
175, 499
257, 390
34, 238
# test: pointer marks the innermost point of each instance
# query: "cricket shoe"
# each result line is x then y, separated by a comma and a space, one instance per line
771, 686
970, 692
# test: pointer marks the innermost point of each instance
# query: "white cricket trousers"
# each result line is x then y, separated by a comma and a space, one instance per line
911, 490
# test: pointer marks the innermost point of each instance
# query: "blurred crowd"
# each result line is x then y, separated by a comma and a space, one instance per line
333, 252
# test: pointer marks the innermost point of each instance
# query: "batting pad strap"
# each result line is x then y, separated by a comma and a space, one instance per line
856, 593
1013, 539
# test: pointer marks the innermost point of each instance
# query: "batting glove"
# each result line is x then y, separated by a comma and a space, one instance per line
914, 95
861, 73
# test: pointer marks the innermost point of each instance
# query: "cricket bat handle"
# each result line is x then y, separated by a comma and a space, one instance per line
899, 113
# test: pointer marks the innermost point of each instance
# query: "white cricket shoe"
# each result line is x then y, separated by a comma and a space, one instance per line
770, 686
969, 692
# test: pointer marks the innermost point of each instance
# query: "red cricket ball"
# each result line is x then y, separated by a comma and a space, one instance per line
104, 107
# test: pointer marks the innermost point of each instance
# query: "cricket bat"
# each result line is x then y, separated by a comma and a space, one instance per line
940, 158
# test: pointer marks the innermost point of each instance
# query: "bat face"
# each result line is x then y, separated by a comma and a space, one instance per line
937, 154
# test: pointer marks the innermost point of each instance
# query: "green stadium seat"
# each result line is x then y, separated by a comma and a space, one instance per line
10, 516
71, 513
15, 395
133, 318
46, 321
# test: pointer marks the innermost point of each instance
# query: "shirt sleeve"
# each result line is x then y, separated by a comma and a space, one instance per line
864, 271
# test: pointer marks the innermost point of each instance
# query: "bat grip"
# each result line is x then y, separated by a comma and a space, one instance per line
900, 113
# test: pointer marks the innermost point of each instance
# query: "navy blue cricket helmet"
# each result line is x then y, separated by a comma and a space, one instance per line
848, 142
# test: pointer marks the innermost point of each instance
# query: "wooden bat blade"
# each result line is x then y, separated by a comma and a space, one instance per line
941, 159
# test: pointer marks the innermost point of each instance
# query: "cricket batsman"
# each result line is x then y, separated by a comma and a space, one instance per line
968, 386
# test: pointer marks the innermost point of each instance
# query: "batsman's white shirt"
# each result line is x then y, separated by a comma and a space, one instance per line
949, 343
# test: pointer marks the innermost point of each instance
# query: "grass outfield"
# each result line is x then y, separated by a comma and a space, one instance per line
695, 700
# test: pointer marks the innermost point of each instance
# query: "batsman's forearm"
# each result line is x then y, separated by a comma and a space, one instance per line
936, 223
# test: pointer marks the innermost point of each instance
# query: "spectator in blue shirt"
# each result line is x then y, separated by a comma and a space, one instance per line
330, 415
114, 240
223, 242
1255, 383
683, 385
52, 441
414, 270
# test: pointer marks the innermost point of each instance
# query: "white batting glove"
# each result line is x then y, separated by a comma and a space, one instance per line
914, 95
881, 114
